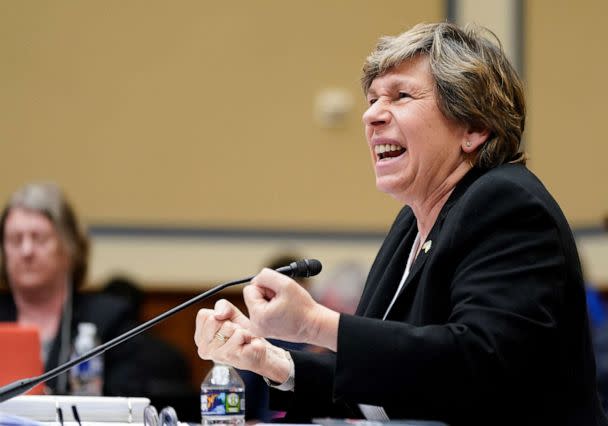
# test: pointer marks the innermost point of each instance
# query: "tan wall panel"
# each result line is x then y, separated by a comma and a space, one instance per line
566, 68
197, 113
499, 16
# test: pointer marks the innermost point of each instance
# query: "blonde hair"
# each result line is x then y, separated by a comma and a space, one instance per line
475, 83
48, 200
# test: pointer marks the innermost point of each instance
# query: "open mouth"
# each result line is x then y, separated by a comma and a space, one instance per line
388, 151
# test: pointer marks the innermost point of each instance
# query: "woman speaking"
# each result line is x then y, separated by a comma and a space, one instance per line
474, 309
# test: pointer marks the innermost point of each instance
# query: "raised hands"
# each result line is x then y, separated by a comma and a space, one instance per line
279, 307
223, 335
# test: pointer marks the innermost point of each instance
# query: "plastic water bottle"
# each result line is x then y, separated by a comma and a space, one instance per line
223, 397
86, 378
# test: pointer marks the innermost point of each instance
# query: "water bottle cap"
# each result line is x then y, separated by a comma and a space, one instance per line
220, 374
87, 328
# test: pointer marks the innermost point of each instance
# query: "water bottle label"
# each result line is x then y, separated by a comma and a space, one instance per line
88, 369
221, 403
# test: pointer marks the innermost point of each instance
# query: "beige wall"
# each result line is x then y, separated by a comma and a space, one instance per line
566, 65
500, 16
201, 114
195, 112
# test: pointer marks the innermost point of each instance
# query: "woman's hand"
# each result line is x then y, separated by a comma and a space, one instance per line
279, 307
221, 335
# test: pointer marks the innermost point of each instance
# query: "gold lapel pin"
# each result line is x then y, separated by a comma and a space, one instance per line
427, 246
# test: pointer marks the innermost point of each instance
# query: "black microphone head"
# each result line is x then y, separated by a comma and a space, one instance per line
305, 268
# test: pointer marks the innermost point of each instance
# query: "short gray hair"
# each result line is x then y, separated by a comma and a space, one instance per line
476, 85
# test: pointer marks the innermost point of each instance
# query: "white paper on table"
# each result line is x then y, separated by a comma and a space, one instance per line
104, 409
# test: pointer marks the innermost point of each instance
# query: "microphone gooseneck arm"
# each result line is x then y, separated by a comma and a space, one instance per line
301, 268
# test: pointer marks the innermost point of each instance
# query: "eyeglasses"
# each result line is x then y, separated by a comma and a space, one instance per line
36, 240
167, 416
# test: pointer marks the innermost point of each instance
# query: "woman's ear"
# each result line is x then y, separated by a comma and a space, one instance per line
474, 139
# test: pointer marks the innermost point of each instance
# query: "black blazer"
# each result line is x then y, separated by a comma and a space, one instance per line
490, 328
111, 315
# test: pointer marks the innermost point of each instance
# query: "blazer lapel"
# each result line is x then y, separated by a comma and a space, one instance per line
426, 250
386, 273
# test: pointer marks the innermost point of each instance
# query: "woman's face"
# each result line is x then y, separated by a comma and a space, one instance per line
414, 148
35, 254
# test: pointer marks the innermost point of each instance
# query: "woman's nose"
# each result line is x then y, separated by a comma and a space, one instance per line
377, 114
27, 246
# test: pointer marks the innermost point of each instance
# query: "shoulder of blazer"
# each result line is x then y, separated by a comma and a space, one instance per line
504, 183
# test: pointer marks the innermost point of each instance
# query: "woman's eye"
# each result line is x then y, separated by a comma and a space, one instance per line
371, 101
404, 95
13, 240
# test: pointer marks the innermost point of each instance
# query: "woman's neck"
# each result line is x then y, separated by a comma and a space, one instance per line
42, 309
427, 210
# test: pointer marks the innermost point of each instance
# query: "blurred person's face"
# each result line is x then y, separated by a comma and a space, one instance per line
35, 254
413, 146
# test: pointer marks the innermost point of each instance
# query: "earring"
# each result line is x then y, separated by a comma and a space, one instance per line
467, 144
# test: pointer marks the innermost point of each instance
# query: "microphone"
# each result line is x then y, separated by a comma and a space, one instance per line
302, 268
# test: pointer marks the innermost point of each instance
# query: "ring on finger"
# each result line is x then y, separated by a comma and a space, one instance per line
219, 336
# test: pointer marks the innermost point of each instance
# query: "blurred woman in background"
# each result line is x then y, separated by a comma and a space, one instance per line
43, 264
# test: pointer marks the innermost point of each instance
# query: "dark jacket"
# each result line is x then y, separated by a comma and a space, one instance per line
490, 328
111, 315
